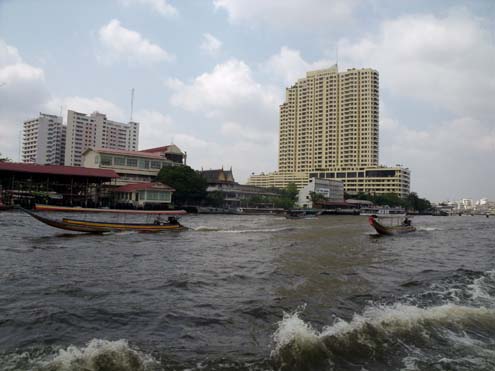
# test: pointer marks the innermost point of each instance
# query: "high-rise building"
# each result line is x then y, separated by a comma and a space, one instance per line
330, 119
43, 140
95, 130
329, 128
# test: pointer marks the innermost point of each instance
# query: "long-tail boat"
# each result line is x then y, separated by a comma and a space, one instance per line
102, 227
40, 207
390, 230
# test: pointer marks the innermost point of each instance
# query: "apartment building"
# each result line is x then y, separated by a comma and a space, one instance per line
43, 140
329, 125
95, 130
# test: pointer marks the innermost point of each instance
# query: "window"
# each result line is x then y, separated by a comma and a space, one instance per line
119, 161
144, 164
155, 164
131, 162
106, 160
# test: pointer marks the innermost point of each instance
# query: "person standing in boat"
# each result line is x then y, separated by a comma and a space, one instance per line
406, 222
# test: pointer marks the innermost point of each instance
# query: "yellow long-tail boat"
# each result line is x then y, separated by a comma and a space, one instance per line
101, 227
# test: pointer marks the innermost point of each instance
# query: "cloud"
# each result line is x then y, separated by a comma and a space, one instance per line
121, 43
155, 128
210, 45
225, 91
160, 6
439, 60
288, 13
244, 111
22, 94
449, 161
288, 65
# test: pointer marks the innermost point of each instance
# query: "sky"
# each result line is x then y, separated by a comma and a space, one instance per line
209, 76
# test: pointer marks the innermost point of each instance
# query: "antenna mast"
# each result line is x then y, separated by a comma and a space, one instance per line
132, 102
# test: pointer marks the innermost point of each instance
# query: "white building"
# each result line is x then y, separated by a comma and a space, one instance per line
332, 190
131, 166
95, 130
43, 140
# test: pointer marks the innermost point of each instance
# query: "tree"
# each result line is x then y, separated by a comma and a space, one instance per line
215, 199
316, 197
417, 203
4, 159
190, 186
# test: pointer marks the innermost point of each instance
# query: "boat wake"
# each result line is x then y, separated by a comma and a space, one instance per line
261, 230
401, 336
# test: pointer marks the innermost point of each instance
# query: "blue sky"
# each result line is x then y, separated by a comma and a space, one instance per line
209, 75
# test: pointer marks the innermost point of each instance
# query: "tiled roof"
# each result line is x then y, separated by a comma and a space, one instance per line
127, 153
142, 186
215, 176
57, 170
156, 149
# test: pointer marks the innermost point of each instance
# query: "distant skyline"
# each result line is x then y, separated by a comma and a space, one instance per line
209, 76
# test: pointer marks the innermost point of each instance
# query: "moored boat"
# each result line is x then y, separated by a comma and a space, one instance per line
102, 227
391, 229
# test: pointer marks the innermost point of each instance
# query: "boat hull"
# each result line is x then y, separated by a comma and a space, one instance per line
39, 207
390, 230
99, 227
122, 226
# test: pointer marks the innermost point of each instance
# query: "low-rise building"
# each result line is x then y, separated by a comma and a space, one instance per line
376, 180
131, 166
143, 195
330, 189
234, 194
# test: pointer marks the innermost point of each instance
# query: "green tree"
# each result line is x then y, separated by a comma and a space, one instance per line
190, 186
4, 159
417, 203
215, 199
316, 197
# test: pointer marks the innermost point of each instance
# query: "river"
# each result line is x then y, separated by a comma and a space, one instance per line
249, 293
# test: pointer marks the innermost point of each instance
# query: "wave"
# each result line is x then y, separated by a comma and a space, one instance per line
454, 332
96, 355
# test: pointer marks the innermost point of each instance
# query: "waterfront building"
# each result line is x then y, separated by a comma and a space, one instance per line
131, 166
43, 140
64, 185
329, 125
95, 130
331, 189
143, 195
234, 194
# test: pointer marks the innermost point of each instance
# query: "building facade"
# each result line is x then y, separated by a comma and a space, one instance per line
43, 140
332, 190
131, 166
140, 195
329, 124
95, 130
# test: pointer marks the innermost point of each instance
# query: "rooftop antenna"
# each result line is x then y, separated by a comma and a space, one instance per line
337, 55
132, 102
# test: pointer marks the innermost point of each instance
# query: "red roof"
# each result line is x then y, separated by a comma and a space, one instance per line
142, 186
156, 149
57, 170
128, 153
